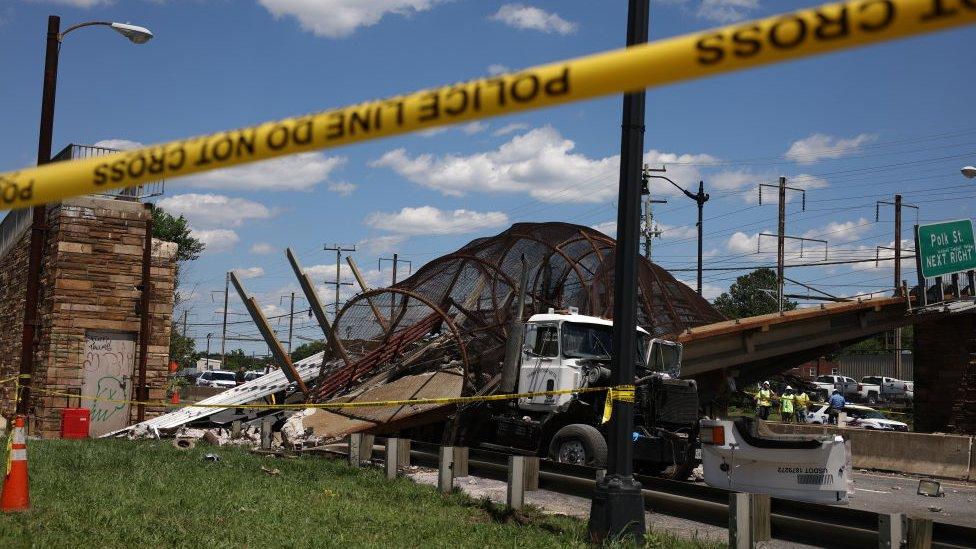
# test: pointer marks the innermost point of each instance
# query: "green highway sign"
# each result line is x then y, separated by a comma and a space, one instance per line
946, 248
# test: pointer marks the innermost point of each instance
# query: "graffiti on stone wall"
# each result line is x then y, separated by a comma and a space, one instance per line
107, 376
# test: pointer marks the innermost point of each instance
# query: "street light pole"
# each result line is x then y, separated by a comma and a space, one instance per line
38, 216
617, 509
138, 35
701, 198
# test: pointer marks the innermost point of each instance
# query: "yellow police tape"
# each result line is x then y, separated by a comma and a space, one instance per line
619, 393
734, 47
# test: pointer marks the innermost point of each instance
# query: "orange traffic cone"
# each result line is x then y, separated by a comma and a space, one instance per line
16, 488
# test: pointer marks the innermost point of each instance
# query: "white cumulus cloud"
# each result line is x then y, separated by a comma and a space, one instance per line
249, 272
886, 258
840, 231
217, 240
341, 18
119, 144
497, 68
383, 243
262, 248
541, 163
343, 188
510, 128
472, 128
726, 11
521, 16
709, 291
428, 220
298, 172
76, 3
608, 228
214, 210
819, 146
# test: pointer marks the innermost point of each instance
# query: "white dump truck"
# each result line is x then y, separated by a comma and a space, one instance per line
563, 350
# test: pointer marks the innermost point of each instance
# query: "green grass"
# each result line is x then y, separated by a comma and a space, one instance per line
148, 494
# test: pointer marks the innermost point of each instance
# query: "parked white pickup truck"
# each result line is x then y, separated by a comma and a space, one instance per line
846, 385
875, 389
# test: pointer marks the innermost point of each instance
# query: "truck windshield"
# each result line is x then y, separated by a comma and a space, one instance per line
595, 341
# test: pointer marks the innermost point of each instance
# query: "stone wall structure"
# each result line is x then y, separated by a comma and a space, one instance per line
90, 312
943, 353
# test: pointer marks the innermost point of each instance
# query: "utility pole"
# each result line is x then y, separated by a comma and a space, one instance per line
781, 244
897, 282
209, 335
223, 332
291, 321
617, 509
185, 311
700, 199
781, 234
338, 249
379, 265
649, 231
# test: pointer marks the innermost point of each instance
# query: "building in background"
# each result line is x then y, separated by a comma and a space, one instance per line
90, 310
205, 364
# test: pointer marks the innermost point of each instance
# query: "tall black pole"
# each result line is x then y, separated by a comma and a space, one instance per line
781, 244
618, 508
39, 215
898, 281
700, 199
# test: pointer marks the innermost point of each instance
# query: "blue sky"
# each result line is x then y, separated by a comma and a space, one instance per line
851, 128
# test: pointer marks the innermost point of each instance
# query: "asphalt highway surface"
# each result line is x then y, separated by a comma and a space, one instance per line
894, 493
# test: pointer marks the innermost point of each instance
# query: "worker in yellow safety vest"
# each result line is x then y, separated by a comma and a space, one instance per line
802, 400
764, 401
786, 405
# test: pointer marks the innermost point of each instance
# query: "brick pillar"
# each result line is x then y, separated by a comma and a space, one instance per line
964, 408
942, 355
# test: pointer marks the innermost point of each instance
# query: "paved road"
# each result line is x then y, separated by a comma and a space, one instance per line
883, 493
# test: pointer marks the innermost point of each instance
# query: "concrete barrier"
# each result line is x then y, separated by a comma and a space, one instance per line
947, 456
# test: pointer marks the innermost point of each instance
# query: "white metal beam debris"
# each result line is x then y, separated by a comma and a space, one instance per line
261, 387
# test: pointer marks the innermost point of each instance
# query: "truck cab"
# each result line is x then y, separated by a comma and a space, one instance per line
567, 351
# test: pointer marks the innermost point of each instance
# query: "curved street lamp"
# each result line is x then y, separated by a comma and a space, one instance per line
137, 35
701, 198
969, 171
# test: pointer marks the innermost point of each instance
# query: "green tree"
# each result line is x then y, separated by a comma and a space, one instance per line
746, 297
175, 229
306, 350
182, 349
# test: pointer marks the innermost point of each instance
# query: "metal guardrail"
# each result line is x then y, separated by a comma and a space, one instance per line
792, 520
75, 151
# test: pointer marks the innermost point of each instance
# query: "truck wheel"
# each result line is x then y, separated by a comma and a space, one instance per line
579, 444
872, 398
